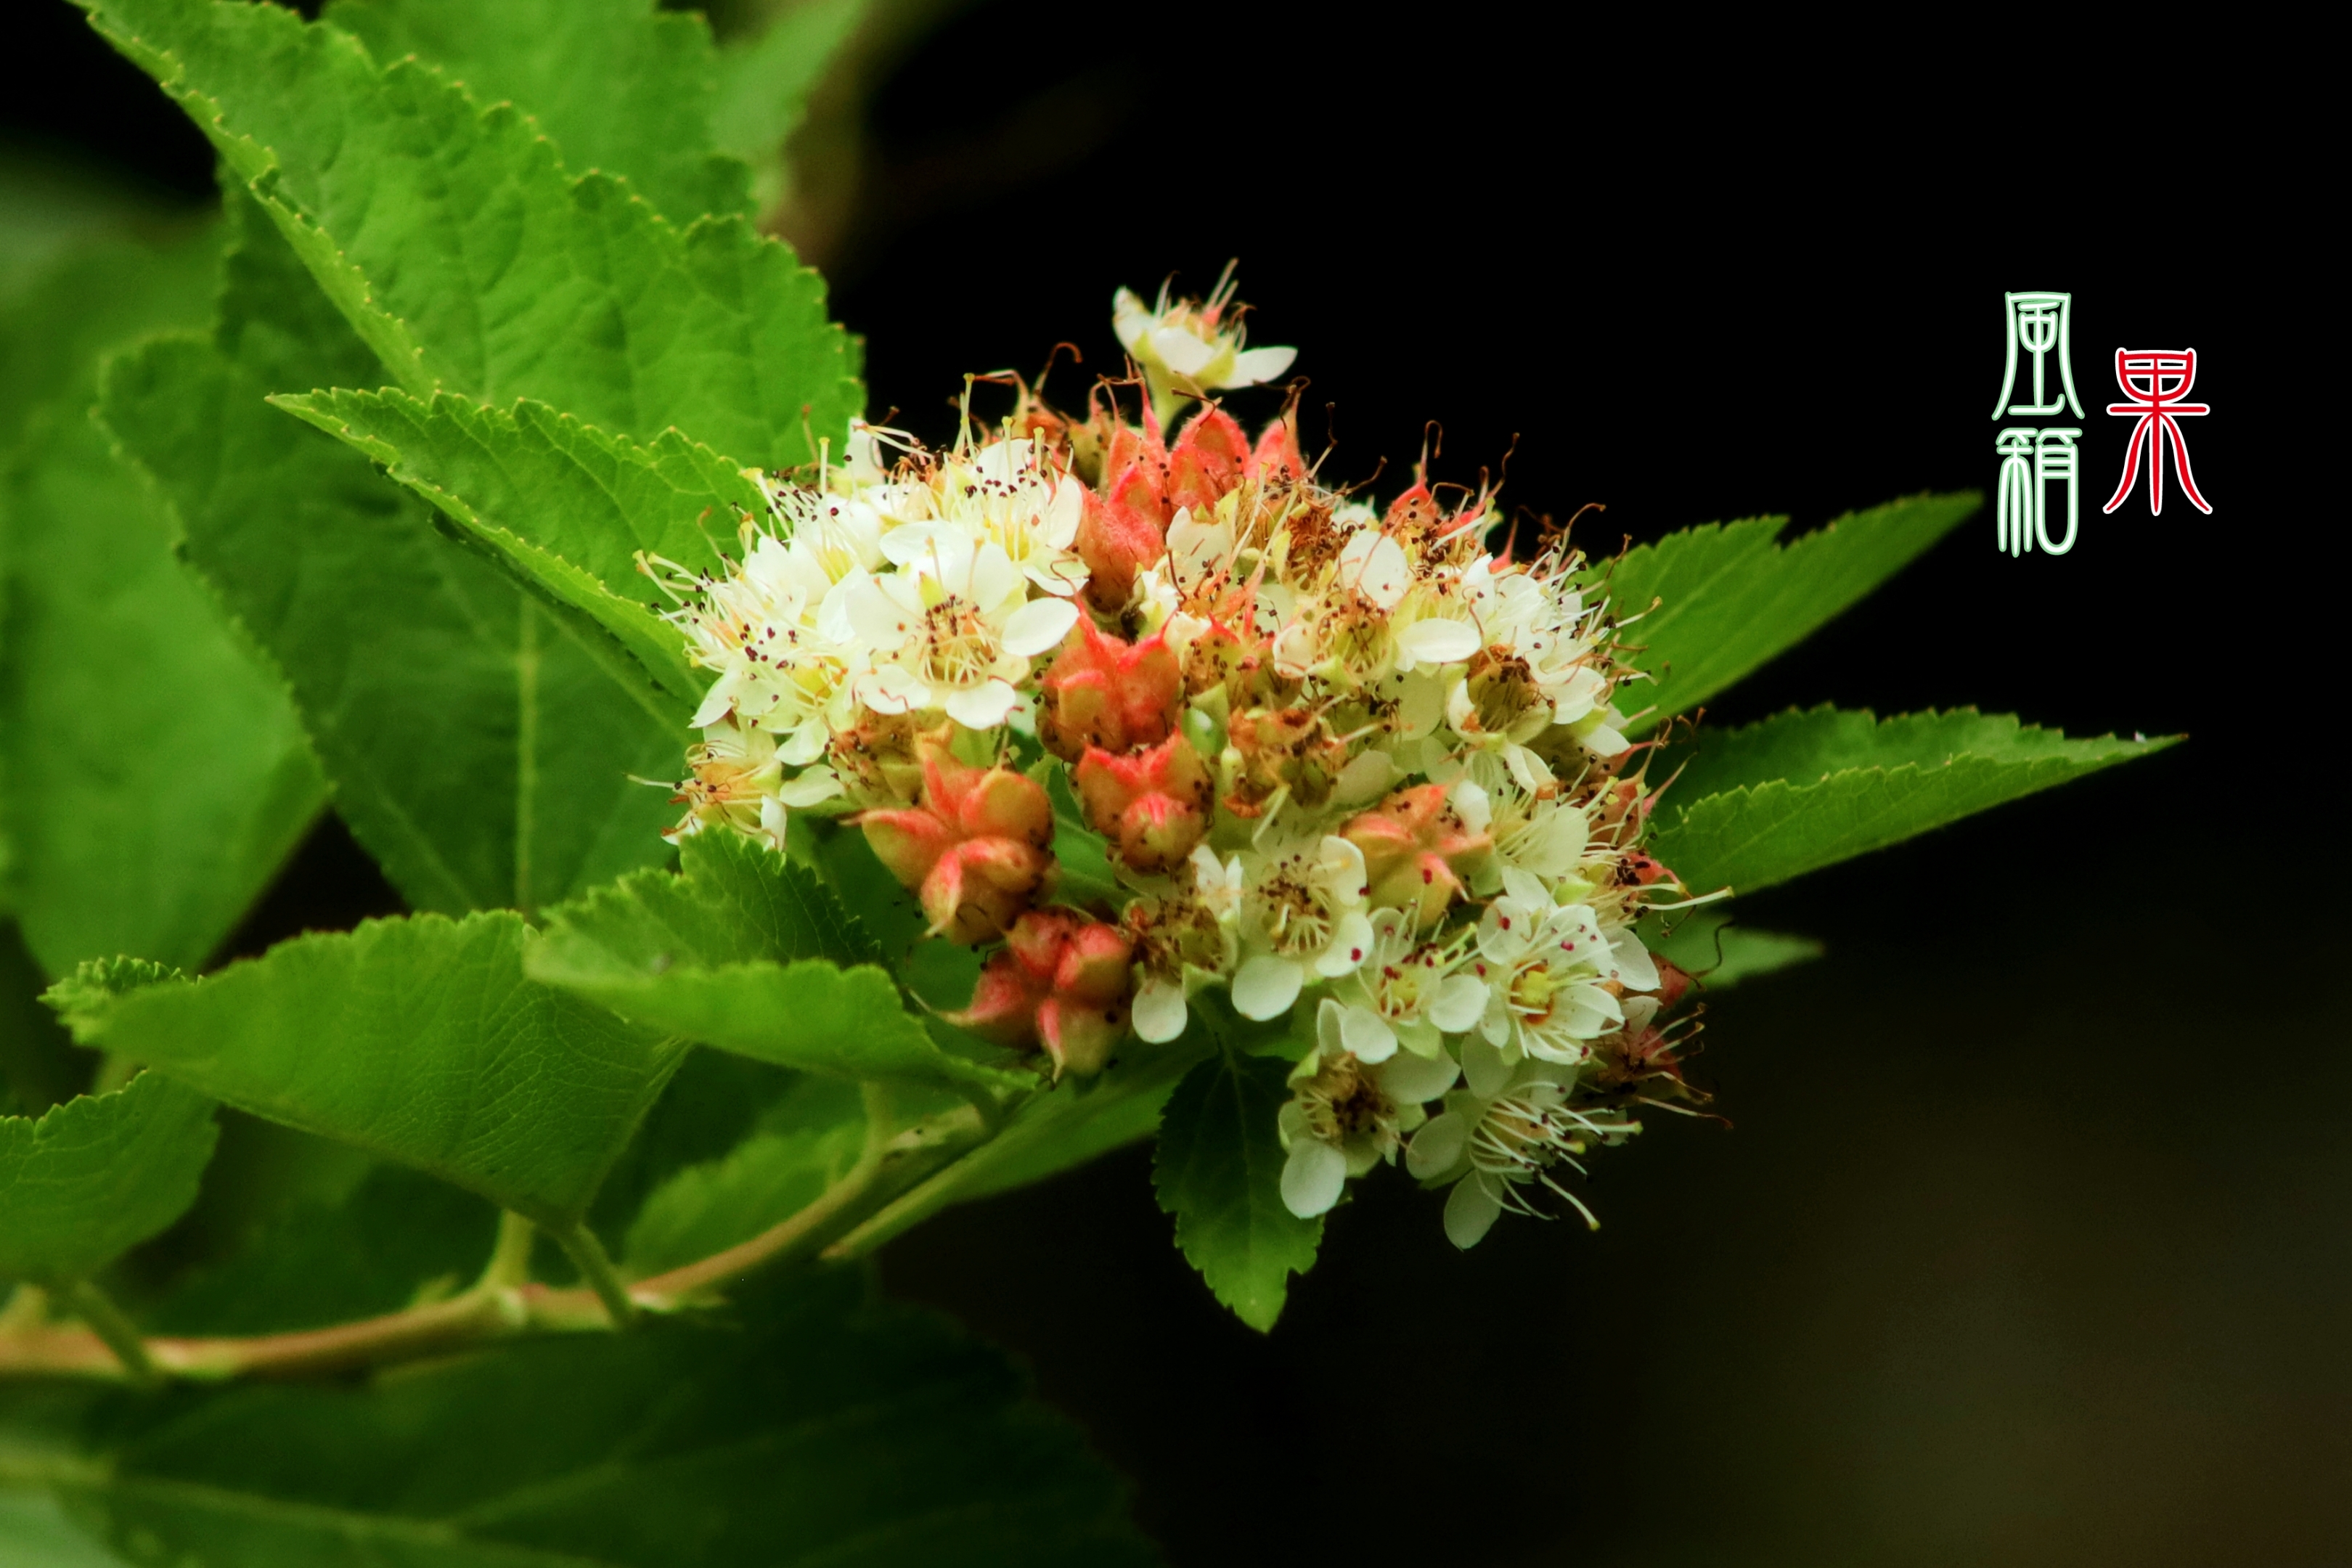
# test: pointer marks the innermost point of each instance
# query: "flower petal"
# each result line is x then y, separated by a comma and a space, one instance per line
1253, 366
1159, 1012
1436, 641
1039, 624
1352, 943
1178, 350
981, 707
1637, 970
1437, 1148
1313, 1178
1367, 1035
809, 788
1459, 1003
1470, 1214
1484, 1067
1267, 987
1410, 1080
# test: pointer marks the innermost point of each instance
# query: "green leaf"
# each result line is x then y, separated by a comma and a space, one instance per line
1219, 1170
152, 776
830, 1432
565, 506
39, 1064
1731, 599
744, 952
481, 746
618, 85
1706, 944
465, 255
97, 1175
708, 1208
1804, 790
1083, 879
38, 1535
421, 1040
765, 81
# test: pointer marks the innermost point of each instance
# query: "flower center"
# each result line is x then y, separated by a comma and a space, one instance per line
959, 647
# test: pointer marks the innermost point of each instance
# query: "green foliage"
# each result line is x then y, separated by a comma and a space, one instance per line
1804, 789
99, 1175
39, 1064
707, 1208
1219, 1171
419, 1039
566, 507
152, 776
1732, 598
765, 81
463, 252
828, 1432
479, 745
745, 952
617, 84
1706, 944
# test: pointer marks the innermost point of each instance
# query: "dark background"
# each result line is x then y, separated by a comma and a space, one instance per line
2029, 1244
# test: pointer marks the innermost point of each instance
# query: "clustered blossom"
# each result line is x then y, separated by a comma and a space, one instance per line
1352, 767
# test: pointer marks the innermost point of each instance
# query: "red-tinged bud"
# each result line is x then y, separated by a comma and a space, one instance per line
880, 759
1101, 691
1207, 461
1277, 458
1060, 984
1117, 539
975, 849
1637, 869
1282, 747
1153, 805
1418, 852
1674, 982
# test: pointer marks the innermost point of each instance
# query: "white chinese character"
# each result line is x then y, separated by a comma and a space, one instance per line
2021, 497
2038, 322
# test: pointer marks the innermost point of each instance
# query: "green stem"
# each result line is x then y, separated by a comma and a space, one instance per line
107, 1322
510, 1265
588, 1256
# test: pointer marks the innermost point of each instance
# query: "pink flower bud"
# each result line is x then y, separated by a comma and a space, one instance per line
975, 849
1061, 983
1208, 460
1152, 804
1416, 851
1101, 691
1277, 458
1118, 539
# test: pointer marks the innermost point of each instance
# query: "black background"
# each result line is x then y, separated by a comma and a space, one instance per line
2029, 1244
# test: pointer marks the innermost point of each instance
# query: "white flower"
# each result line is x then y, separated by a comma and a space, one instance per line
1182, 943
1191, 348
1005, 493
953, 629
1408, 992
1491, 1146
1546, 969
1300, 917
1346, 1115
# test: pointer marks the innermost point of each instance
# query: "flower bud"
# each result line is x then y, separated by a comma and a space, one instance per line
1061, 982
976, 848
1118, 539
1277, 458
1417, 852
1208, 461
1153, 805
1103, 692
1277, 749
878, 758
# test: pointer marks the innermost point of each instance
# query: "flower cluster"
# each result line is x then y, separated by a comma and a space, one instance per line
1352, 766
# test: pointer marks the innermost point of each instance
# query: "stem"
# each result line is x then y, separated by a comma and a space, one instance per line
510, 1265
117, 1332
588, 1256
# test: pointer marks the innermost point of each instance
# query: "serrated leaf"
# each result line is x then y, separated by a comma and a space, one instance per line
481, 746
418, 1039
1804, 790
745, 952
97, 1175
469, 259
1219, 1170
566, 506
617, 84
829, 1432
1729, 598
152, 776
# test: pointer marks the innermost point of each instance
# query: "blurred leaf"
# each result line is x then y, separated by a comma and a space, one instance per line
1219, 1170
443, 1055
39, 1066
714, 1101
803, 1145
463, 252
152, 776
765, 81
618, 85
1733, 599
937, 971
97, 1175
1804, 790
744, 952
1083, 879
565, 506
1706, 944
830, 1432
480, 747
36, 1533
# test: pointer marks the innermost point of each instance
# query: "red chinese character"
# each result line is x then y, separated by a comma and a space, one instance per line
2156, 380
